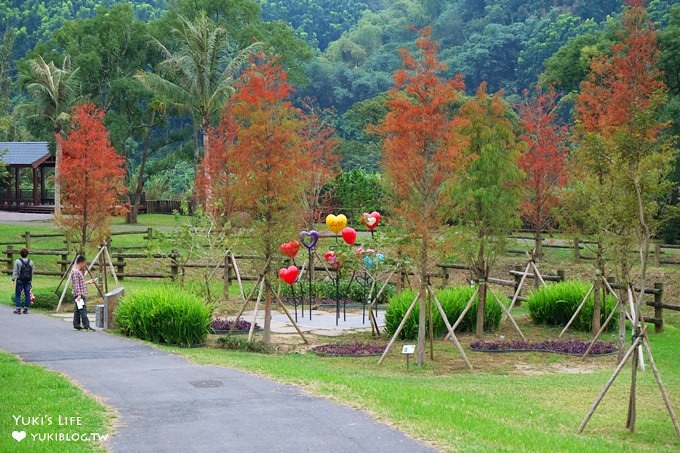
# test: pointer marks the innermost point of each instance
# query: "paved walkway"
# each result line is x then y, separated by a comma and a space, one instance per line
167, 404
20, 217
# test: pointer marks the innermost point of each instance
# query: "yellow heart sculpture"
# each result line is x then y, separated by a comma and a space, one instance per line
336, 223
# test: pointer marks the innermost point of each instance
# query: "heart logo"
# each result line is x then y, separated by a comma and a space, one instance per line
349, 235
336, 223
290, 249
371, 220
19, 435
288, 274
309, 238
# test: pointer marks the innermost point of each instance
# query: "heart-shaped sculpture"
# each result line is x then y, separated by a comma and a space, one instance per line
330, 257
336, 223
371, 220
349, 235
309, 238
288, 274
290, 249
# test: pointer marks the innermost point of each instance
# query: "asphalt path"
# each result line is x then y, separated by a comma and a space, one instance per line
166, 404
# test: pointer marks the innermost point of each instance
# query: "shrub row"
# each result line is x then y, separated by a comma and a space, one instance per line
453, 302
45, 299
554, 305
164, 315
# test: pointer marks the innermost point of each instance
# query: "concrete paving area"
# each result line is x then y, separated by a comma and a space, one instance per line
166, 404
322, 322
18, 217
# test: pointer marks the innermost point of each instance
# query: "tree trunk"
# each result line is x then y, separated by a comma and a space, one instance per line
538, 244
597, 305
137, 199
623, 297
267, 333
208, 205
481, 306
57, 175
422, 314
480, 275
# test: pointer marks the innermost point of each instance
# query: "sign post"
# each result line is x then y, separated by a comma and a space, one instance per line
408, 350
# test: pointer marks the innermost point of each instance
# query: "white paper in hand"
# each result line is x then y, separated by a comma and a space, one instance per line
80, 303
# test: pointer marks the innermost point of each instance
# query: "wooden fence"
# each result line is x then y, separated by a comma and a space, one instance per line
162, 206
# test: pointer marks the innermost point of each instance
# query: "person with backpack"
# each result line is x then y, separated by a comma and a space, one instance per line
22, 276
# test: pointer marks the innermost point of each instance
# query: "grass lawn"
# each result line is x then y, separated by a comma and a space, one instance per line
523, 402
32, 391
511, 402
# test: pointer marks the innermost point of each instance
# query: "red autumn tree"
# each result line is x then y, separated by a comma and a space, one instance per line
619, 136
259, 162
319, 140
543, 162
619, 114
421, 151
92, 178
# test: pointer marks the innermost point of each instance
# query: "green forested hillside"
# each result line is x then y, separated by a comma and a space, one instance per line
34, 21
341, 55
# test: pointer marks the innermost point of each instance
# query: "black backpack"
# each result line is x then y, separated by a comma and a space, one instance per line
26, 271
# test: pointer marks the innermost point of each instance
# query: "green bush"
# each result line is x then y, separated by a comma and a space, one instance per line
45, 299
453, 302
554, 305
242, 344
165, 315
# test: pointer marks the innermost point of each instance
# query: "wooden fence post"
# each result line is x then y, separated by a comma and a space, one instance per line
657, 254
445, 276
174, 266
120, 267
577, 250
10, 258
64, 265
149, 234
658, 307
560, 275
227, 278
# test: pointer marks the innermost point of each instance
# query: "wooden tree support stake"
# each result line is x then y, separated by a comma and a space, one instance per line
257, 306
238, 274
285, 310
452, 334
399, 328
464, 312
578, 310
507, 314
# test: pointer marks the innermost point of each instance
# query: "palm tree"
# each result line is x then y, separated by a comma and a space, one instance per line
53, 90
199, 77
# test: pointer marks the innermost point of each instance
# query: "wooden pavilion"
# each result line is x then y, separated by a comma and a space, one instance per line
28, 165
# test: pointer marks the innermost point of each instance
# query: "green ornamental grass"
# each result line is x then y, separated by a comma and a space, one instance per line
453, 302
554, 305
165, 315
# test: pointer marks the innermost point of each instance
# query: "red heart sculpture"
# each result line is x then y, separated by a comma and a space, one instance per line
371, 220
290, 249
349, 235
288, 274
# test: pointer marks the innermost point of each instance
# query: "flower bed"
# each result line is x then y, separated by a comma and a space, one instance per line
221, 325
356, 349
571, 347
